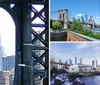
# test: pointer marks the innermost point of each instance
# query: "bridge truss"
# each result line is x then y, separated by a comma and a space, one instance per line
26, 36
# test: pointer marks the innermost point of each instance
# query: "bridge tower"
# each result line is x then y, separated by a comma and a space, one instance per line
63, 16
21, 12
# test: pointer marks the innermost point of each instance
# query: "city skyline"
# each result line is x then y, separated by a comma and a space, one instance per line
69, 61
77, 10
86, 51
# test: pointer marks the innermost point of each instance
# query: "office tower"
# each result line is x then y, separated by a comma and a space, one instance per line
86, 18
8, 62
70, 61
75, 60
66, 62
82, 19
91, 18
80, 61
1, 55
94, 64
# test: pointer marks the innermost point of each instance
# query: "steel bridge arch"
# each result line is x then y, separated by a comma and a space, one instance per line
14, 18
16, 21
11, 12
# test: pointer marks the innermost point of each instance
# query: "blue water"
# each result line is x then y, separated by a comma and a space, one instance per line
95, 30
91, 80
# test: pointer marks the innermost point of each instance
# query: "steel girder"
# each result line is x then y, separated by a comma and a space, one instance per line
21, 14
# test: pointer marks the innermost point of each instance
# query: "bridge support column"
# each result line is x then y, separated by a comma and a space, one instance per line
65, 18
26, 76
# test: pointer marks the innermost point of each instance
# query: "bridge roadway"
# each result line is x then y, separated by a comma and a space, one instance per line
60, 63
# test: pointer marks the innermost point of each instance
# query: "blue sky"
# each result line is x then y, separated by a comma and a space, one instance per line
86, 51
75, 7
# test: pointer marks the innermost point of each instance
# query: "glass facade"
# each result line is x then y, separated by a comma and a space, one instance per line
1, 55
8, 62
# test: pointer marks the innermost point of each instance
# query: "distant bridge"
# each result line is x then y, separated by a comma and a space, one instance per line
58, 65
89, 73
64, 16
84, 24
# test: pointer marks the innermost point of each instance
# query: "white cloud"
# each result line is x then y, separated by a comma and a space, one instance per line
79, 15
82, 45
85, 45
98, 17
96, 48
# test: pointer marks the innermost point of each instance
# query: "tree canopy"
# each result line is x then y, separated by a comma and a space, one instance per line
76, 25
56, 25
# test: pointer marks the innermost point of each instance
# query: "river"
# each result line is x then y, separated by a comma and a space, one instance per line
91, 80
94, 29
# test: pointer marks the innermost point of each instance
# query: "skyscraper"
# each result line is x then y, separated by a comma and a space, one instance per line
86, 18
1, 55
70, 61
66, 62
82, 19
80, 61
8, 62
75, 60
91, 18
94, 64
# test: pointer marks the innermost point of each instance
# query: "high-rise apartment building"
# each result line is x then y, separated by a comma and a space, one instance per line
8, 62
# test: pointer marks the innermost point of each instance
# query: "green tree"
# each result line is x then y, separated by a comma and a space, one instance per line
97, 36
56, 25
53, 70
76, 26
88, 33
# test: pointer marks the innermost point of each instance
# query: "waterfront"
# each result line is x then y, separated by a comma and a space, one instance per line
91, 80
95, 30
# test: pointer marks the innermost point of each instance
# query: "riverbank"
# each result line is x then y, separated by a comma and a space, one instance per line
73, 76
64, 79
